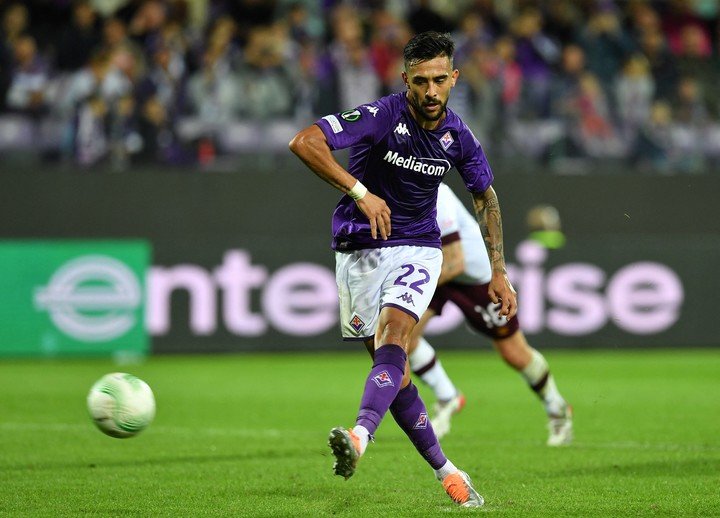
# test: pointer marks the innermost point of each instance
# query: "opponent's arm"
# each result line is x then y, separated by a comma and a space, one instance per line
453, 262
487, 210
311, 146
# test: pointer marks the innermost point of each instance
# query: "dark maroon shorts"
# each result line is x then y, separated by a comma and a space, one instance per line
480, 312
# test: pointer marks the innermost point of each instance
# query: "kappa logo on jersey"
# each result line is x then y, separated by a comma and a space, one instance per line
357, 323
401, 129
383, 379
422, 422
428, 166
446, 141
351, 115
372, 109
407, 298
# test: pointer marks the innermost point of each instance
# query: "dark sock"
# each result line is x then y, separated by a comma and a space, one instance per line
409, 412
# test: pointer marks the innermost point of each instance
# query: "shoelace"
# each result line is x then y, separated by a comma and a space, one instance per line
457, 489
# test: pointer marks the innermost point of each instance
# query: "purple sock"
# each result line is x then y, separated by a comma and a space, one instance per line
410, 413
382, 385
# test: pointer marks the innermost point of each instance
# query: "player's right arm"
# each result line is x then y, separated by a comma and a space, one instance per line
311, 146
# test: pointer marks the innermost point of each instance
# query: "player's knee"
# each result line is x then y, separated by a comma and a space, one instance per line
396, 332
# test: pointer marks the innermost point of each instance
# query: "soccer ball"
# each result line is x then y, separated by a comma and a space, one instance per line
121, 405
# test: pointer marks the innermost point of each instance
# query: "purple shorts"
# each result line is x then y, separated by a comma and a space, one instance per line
480, 312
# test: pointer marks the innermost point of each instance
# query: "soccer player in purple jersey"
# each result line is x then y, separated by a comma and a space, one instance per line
463, 280
387, 241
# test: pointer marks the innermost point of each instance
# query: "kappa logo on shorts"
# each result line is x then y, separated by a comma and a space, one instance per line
383, 379
407, 298
357, 323
422, 422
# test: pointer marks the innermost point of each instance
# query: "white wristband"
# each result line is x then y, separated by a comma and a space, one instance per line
358, 191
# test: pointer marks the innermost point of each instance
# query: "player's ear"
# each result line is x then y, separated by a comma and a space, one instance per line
454, 77
405, 79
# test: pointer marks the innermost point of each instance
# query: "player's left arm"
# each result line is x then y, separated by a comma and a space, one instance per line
487, 210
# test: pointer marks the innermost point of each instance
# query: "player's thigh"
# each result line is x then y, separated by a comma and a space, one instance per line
481, 313
359, 275
413, 273
394, 327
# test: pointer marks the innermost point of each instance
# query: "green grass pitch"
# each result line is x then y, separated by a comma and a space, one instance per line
245, 435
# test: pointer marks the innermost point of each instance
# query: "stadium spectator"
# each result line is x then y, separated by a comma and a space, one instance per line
114, 35
389, 36
691, 115
78, 39
537, 54
29, 79
662, 63
472, 34
213, 90
566, 81
15, 23
422, 17
591, 122
330, 55
265, 80
653, 150
562, 20
694, 60
349, 75
606, 44
634, 94
679, 19
147, 22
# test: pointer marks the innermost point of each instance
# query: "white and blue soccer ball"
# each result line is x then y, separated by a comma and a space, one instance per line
121, 405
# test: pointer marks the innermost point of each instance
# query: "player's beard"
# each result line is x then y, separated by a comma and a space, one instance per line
421, 111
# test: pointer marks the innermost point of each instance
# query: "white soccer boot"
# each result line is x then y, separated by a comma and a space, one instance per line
561, 428
459, 487
444, 412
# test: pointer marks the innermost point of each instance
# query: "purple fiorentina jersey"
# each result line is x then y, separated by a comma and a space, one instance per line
403, 164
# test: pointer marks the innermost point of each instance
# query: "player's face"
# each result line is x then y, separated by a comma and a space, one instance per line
429, 84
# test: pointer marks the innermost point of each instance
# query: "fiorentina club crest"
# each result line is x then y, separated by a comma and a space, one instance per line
383, 379
422, 422
446, 141
357, 323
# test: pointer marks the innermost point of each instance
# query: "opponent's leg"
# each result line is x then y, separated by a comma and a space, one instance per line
534, 368
424, 364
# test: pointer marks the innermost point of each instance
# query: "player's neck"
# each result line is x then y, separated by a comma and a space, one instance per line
422, 121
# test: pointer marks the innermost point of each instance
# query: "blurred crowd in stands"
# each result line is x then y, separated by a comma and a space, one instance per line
564, 82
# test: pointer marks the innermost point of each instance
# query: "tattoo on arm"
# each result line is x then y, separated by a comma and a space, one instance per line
487, 211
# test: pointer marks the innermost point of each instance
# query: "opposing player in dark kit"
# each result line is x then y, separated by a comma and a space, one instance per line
387, 242
463, 280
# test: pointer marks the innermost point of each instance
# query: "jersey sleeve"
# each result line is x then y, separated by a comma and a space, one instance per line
473, 165
365, 124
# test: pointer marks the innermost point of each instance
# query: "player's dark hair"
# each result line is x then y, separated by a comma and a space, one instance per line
426, 46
